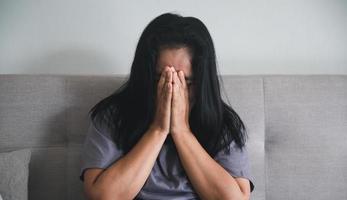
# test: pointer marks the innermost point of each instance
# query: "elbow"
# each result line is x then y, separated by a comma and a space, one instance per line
93, 194
245, 197
108, 195
240, 196
101, 194
101, 197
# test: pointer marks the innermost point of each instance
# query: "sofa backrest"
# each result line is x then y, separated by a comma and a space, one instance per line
297, 127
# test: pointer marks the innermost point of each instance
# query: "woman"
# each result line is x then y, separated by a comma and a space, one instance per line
166, 133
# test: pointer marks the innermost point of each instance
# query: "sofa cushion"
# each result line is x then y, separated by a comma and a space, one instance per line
14, 174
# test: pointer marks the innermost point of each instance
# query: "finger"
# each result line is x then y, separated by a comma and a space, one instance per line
174, 92
172, 69
168, 93
176, 79
170, 77
167, 80
175, 86
162, 78
182, 78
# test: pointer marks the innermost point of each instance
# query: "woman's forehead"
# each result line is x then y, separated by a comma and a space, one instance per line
180, 59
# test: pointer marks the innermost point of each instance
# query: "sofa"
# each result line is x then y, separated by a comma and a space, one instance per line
297, 128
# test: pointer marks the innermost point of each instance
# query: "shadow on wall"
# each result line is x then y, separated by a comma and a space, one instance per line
70, 61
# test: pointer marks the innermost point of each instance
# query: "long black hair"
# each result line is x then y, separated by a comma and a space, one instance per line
129, 111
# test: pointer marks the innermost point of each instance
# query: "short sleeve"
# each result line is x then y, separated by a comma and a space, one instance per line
99, 150
236, 163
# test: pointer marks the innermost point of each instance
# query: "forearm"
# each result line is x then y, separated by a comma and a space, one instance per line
125, 178
209, 178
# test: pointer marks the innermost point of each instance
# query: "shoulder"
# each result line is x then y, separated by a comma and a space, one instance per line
236, 159
101, 130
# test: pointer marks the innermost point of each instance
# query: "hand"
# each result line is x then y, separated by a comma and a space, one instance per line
180, 105
161, 120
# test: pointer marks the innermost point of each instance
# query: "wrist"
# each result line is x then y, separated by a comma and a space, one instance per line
180, 131
158, 130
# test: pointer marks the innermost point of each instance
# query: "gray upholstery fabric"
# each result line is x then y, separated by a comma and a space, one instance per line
306, 137
297, 127
14, 174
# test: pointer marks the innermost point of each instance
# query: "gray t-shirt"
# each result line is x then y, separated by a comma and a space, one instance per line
167, 179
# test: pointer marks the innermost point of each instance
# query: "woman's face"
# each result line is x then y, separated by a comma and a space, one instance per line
180, 59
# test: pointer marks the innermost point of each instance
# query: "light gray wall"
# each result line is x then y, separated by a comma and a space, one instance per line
100, 37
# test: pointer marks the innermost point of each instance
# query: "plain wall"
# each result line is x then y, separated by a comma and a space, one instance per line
100, 37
